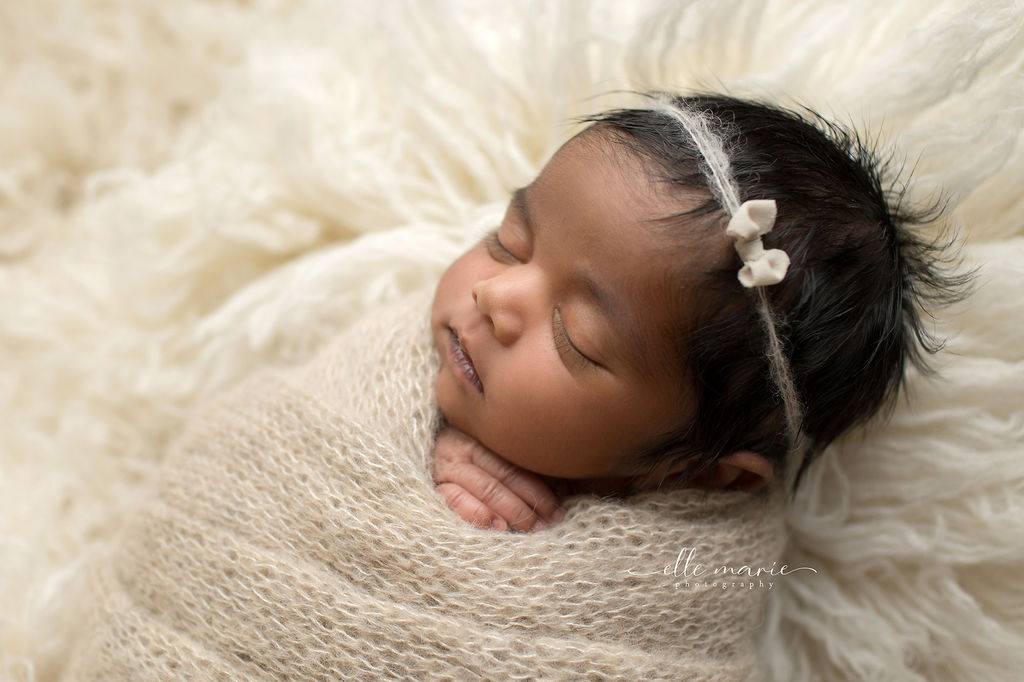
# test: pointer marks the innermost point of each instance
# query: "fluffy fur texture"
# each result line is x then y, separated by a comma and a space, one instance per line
191, 190
297, 534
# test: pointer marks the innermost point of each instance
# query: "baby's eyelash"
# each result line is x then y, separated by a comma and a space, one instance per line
497, 249
564, 345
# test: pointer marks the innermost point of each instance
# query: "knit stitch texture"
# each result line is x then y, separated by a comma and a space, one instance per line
297, 534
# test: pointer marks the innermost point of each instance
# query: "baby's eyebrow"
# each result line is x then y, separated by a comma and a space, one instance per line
606, 302
634, 346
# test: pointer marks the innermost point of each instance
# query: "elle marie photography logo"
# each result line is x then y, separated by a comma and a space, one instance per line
690, 573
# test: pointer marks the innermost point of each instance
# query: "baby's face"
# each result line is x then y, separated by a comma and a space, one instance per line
553, 331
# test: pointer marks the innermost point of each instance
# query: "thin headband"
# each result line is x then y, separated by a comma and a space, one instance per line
748, 221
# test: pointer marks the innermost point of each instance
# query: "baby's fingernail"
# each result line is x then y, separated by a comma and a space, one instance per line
540, 525
558, 516
499, 524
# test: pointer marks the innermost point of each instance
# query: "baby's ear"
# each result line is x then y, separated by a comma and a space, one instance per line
742, 470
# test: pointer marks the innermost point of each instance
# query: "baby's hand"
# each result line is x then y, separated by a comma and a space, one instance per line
489, 491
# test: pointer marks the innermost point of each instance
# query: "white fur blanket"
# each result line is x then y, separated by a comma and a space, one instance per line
296, 534
191, 190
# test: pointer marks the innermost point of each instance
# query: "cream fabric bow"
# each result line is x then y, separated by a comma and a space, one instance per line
760, 267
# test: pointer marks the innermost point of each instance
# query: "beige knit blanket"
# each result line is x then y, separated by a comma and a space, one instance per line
297, 534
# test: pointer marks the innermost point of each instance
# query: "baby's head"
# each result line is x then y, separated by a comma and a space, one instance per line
602, 330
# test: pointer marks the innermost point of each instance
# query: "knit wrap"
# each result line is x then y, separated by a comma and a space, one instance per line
296, 533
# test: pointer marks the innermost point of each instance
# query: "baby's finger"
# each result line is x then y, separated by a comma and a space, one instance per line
493, 493
490, 492
469, 508
526, 485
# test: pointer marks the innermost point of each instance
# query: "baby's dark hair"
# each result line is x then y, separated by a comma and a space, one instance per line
849, 311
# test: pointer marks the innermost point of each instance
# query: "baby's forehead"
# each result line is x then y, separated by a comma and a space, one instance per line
662, 197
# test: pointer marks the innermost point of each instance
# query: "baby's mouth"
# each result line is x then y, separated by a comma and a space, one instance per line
463, 363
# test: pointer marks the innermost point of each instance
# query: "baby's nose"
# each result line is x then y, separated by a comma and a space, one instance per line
499, 302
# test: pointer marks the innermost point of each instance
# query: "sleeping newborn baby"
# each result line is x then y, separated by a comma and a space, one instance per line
627, 327
563, 336
689, 302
